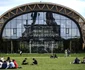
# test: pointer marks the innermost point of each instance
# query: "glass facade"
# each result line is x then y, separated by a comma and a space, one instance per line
39, 32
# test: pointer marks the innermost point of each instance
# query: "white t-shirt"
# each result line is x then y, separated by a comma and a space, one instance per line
7, 64
1, 64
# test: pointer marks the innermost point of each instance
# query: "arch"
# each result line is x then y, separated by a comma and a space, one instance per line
43, 6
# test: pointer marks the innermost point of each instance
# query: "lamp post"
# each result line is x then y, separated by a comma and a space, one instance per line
30, 44
6, 40
76, 43
11, 43
11, 46
52, 47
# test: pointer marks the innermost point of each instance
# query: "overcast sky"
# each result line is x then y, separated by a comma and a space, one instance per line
77, 5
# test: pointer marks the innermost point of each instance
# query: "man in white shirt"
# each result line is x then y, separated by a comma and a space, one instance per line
1, 63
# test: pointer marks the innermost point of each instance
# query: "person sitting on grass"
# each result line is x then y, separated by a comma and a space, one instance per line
8, 59
24, 62
15, 63
1, 63
83, 60
11, 65
4, 65
7, 63
76, 61
54, 56
51, 56
34, 62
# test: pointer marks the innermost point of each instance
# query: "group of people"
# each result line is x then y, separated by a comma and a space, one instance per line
24, 62
8, 63
53, 56
12, 64
67, 52
77, 61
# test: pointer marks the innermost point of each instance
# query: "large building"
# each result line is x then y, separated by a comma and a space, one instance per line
41, 28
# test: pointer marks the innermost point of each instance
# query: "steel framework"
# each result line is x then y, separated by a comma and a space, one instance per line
43, 6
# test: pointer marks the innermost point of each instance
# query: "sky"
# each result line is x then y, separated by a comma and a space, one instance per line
77, 5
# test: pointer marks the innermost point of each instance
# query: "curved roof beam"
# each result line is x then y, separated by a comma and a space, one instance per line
43, 6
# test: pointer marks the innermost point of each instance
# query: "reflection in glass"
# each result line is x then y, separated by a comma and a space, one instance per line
44, 18
41, 31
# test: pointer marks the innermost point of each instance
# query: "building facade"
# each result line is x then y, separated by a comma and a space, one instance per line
41, 28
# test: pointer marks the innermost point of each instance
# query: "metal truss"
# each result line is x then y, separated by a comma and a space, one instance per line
44, 7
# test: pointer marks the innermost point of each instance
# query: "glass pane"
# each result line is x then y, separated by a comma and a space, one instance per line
78, 33
74, 33
8, 33
19, 33
69, 34
4, 33
40, 21
24, 16
23, 22
56, 16
68, 24
8, 25
36, 22
30, 22
44, 16
63, 23
19, 17
63, 33
19, 23
13, 34
57, 21
13, 24
63, 17
40, 14
29, 16
74, 25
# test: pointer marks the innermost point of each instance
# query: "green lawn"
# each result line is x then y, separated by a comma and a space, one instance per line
47, 63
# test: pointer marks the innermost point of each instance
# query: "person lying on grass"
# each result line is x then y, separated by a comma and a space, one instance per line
76, 61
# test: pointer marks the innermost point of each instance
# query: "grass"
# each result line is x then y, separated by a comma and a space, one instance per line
47, 63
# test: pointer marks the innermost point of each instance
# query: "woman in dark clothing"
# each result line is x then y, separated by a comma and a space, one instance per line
24, 62
76, 61
34, 62
4, 65
8, 59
